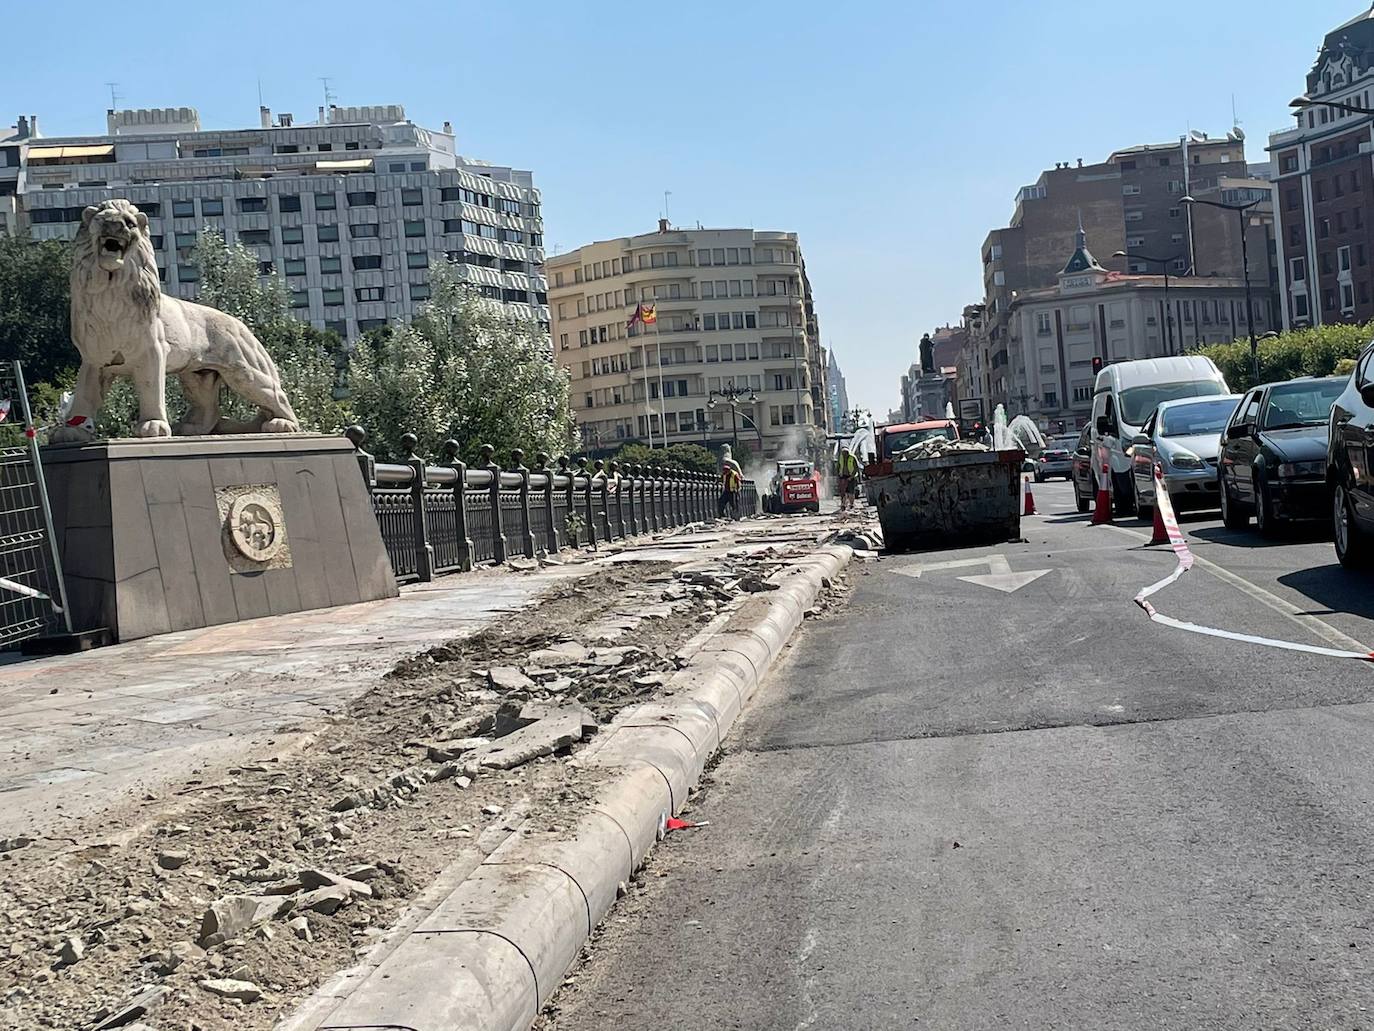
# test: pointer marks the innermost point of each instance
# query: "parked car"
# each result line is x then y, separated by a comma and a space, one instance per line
1274, 453
1083, 476
1184, 438
1349, 477
1125, 394
1053, 461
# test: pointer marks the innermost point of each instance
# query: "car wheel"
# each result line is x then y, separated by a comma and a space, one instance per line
1352, 545
1265, 520
1233, 517
1123, 500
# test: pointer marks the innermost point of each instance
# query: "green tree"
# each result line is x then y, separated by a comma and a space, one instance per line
35, 306
1301, 352
688, 457
466, 369
304, 355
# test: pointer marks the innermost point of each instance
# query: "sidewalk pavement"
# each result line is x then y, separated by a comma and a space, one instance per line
88, 733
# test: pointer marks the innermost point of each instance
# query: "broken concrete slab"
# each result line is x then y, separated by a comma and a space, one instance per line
313, 878
544, 737
232, 915
447, 751
511, 718
229, 988
136, 1007
566, 653
325, 900
508, 678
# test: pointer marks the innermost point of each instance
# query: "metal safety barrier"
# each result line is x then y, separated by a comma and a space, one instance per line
449, 517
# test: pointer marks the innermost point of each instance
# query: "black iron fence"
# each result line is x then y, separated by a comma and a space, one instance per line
449, 516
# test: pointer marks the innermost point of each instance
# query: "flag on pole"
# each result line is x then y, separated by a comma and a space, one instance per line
636, 317
648, 314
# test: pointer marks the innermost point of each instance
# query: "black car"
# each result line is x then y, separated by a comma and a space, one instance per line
1273, 453
1348, 455
1083, 477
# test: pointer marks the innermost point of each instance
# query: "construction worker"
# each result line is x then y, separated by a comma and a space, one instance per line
847, 467
731, 483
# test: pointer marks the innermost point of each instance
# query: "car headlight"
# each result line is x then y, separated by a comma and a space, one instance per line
1294, 470
1185, 460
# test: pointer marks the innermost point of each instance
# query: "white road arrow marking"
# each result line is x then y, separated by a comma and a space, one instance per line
999, 575
1005, 582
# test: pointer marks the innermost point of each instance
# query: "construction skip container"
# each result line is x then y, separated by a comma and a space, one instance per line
957, 499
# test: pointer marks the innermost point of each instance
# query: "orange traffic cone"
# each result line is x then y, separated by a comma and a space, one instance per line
1028, 496
1158, 534
1102, 511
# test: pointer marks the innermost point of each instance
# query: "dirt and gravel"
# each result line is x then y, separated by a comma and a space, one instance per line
225, 901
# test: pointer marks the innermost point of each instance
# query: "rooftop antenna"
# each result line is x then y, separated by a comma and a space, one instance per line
667, 217
260, 91
114, 95
329, 96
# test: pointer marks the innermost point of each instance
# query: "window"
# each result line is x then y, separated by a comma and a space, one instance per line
1043, 323
333, 296
415, 227
412, 198
183, 209
363, 230
362, 198
212, 207
513, 236
419, 291
300, 298
1134, 215
1300, 310
367, 261
708, 321
1163, 162
1051, 399
294, 266
184, 241
266, 268
288, 202
1323, 228
1175, 212
1328, 301
1083, 393
1318, 190
789, 415
327, 232
331, 266
250, 204
1297, 269
1347, 298
708, 289
255, 237
188, 274
292, 234
417, 259
1175, 186
370, 293
1343, 258
326, 202
1130, 189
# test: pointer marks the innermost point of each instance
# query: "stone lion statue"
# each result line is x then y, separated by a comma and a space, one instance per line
123, 325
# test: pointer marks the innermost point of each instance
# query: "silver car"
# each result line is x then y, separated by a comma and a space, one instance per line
1184, 438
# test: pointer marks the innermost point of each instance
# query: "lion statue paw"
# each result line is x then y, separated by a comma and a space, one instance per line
70, 435
154, 428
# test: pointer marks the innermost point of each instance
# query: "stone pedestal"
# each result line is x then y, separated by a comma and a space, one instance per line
184, 532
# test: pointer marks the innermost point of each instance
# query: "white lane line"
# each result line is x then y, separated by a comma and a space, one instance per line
1306, 620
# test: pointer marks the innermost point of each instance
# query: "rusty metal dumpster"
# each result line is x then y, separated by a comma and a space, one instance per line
957, 499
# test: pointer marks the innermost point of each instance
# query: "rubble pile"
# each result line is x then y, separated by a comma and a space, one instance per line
935, 447
243, 889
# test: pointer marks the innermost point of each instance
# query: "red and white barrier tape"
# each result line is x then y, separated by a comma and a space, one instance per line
1185, 563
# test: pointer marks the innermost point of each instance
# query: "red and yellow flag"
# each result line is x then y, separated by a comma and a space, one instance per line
647, 314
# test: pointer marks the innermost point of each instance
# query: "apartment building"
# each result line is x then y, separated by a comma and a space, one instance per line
351, 210
1093, 313
1130, 203
14, 145
734, 312
1324, 184
837, 392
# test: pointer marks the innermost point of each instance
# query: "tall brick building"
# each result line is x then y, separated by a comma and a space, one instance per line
1131, 202
1325, 185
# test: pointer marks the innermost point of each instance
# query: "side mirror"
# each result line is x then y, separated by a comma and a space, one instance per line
1141, 438
1082, 452
1367, 393
1239, 431
1105, 426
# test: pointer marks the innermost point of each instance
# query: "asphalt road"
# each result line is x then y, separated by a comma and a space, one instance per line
953, 807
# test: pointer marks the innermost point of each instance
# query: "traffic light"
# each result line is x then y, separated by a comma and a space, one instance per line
1097, 364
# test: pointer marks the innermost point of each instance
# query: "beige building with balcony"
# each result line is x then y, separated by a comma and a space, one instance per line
734, 313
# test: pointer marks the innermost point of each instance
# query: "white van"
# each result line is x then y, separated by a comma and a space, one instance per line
1124, 396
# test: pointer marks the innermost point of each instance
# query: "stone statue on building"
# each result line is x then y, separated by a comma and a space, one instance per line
123, 325
927, 355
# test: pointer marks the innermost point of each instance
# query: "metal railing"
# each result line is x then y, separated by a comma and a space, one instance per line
449, 517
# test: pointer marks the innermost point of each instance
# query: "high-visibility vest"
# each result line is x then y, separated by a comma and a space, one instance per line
730, 478
849, 465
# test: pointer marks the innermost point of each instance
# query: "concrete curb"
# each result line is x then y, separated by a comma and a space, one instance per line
492, 952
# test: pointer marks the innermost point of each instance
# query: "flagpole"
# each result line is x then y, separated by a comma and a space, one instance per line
662, 411
637, 317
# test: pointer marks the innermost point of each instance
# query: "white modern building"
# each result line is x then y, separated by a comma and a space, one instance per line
735, 325
14, 145
352, 209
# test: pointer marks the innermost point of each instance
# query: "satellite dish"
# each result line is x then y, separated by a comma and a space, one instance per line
1197, 136
1237, 134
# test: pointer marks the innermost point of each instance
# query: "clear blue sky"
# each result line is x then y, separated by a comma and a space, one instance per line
892, 135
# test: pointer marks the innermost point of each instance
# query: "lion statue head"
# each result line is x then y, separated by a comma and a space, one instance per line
112, 251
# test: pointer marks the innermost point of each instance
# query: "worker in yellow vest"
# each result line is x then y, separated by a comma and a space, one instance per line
847, 469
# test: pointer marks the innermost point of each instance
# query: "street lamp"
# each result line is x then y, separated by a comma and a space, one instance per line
733, 396
1240, 210
1305, 102
1168, 311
